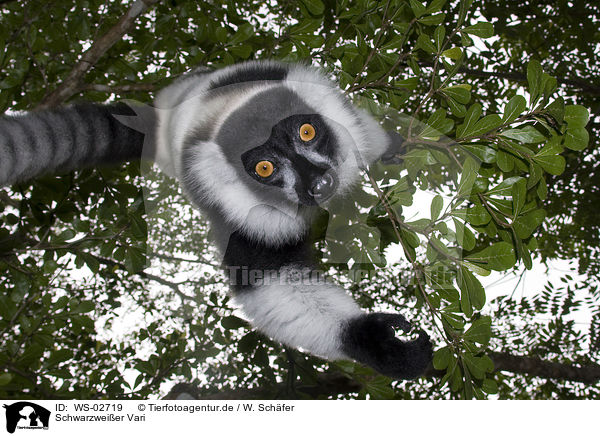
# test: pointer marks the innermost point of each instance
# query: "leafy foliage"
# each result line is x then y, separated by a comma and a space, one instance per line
76, 257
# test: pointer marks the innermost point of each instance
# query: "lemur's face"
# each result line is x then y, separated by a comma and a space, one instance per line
283, 152
298, 158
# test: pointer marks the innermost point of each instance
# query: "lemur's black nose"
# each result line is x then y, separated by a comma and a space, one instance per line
322, 187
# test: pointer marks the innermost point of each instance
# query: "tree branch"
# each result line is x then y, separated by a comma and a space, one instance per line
326, 385
118, 89
72, 82
534, 366
337, 384
520, 77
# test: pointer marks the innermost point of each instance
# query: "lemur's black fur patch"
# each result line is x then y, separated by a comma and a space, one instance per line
252, 73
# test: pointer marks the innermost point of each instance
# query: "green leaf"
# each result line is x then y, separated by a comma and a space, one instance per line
315, 7
472, 293
548, 85
92, 263
84, 307
460, 93
379, 388
576, 116
5, 379
484, 152
473, 114
515, 107
576, 138
453, 53
480, 331
456, 322
425, 44
534, 79
457, 109
551, 148
248, 343
551, 164
435, 6
436, 207
557, 109
505, 161
436, 125
542, 190
417, 7
486, 124
489, 386
432, 20
466, 40
527, 134
441, 358
478, 215
244, 32
221, 34
499, 256
467, 177
135, 260
526, 224
477, 269
306, 26
504, 188
145, 367
519, 193
438, 37
475, 364
480, 29
242, 51
464, 236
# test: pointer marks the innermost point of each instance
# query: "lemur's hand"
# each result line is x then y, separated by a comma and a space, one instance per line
371, 339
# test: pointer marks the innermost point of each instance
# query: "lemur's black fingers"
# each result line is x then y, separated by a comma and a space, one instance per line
367, 339
405, 360
393, 320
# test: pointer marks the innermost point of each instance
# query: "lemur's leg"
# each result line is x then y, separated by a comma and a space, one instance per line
65, 139
305, 311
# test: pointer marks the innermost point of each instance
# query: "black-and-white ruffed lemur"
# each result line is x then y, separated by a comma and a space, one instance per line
255, 146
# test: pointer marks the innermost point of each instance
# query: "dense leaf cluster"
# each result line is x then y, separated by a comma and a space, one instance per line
110, 289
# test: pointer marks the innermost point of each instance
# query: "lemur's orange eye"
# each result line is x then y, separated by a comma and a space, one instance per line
264, 168
307, 132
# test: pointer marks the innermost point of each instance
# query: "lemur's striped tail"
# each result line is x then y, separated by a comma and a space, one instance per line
65, 139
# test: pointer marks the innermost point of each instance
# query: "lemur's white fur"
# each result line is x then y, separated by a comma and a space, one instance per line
245, 210
301, 314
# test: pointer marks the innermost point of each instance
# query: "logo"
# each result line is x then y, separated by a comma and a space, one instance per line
26, 415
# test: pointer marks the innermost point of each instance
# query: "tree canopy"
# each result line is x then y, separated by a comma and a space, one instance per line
109, 287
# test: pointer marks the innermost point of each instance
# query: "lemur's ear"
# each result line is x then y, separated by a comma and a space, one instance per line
396, 147
140, 117
144, 118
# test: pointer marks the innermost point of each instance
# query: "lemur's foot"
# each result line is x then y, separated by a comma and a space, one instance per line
370, 339
396, 148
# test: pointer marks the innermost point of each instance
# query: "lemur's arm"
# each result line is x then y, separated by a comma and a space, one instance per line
322, 319
286, 297
65, 139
